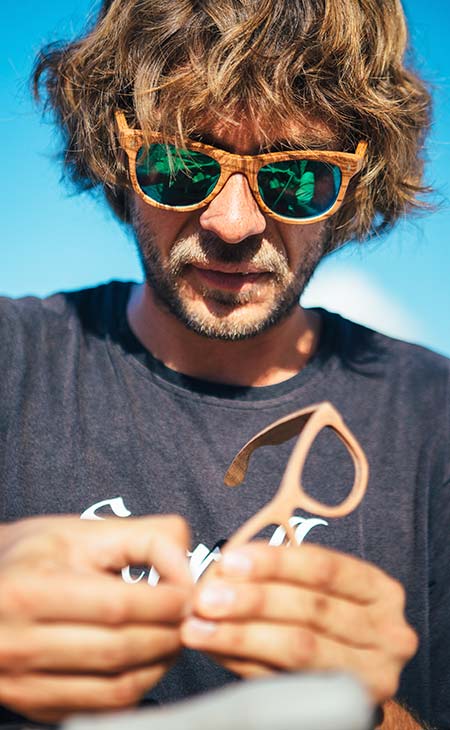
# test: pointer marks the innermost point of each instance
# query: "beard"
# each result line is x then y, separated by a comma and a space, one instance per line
225, 314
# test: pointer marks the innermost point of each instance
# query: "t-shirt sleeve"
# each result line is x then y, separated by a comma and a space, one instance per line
8, 358
440, 590
22, 332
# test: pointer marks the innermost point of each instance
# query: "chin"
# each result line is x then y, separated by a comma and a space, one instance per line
215, 320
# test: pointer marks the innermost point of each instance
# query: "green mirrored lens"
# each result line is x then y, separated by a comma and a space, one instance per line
176, 177
299, 188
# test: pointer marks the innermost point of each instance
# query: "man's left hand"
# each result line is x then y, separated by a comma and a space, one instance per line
268, 609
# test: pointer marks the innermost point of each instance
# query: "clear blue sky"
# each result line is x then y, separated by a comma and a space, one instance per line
53, 240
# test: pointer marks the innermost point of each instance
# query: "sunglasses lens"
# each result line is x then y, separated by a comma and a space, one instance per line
176, 177
299, 189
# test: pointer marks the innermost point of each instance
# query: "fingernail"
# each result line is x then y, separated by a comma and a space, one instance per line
196, 627
236, 562
217, 594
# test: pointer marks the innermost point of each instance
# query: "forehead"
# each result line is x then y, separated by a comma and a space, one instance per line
242, 136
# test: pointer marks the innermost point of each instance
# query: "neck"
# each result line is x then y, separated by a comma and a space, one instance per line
272, 357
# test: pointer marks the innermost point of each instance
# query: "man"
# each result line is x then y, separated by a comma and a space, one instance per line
129, 400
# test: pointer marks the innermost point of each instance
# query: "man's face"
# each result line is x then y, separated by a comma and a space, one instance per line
228, 271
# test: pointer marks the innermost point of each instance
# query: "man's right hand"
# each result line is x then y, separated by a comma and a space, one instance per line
73, 636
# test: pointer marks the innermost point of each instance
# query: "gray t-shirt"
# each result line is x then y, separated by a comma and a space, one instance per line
92, 424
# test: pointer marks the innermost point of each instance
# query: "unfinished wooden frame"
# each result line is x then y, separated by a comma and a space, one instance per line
131, 140
308, 422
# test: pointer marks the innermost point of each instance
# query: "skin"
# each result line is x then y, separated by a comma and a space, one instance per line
73, 636
310, 608
216, 333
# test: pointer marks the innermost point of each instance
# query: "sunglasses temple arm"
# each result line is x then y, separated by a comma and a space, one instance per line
275, 434
361, 150
121, 122
279, 510
290, 495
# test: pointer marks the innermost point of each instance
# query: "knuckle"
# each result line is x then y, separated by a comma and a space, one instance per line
302, 648
119, 610
54, 542
124, 690
374, 625
178, 521
327, 567
17, 655
234, 634
397, 594
407, 643
164, 642
386, 685
44, 549
400, 638
179, 526
320, 609
114, 656
11, 693
258, 601
17, 600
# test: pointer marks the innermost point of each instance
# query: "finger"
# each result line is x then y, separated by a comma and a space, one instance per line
102, 599
159, 541
290, 604
276, 645
88, 649
38, 695
312, 566
243, 668
292, 649
107, 545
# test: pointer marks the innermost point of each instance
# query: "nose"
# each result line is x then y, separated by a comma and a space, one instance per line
234, 214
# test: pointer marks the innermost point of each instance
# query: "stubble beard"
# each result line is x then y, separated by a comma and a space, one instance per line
225, 319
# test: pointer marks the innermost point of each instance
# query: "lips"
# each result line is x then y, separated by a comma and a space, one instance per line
229, 277
243, 269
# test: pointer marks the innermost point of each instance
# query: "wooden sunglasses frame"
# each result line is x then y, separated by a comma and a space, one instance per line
131, 140
291, 495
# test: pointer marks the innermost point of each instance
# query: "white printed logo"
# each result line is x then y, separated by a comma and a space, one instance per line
201, 557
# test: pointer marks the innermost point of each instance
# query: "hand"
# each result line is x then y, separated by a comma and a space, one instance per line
268, 609
74, 636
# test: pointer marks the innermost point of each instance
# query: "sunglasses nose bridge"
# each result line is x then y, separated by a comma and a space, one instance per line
243, 165
233, 212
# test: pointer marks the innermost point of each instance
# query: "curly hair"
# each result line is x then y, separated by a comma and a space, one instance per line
168, 63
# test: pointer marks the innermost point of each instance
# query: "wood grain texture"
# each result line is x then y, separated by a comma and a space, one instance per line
131, 140
308, 422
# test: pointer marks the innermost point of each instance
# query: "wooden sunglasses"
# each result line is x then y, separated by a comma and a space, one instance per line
291, 495
227, 164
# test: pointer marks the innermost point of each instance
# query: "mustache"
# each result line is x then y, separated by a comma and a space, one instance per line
208, 248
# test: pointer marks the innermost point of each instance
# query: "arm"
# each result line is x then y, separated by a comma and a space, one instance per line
396, 717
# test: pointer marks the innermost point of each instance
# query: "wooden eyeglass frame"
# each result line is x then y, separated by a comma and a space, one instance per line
308, 422
349, 163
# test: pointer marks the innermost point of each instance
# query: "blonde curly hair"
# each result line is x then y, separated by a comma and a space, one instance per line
168, 62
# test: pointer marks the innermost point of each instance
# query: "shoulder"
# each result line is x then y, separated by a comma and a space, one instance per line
373, 353
90, 309
401, 389
42, 340
390, 379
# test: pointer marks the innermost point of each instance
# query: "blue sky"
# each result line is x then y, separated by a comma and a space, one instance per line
54, 240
